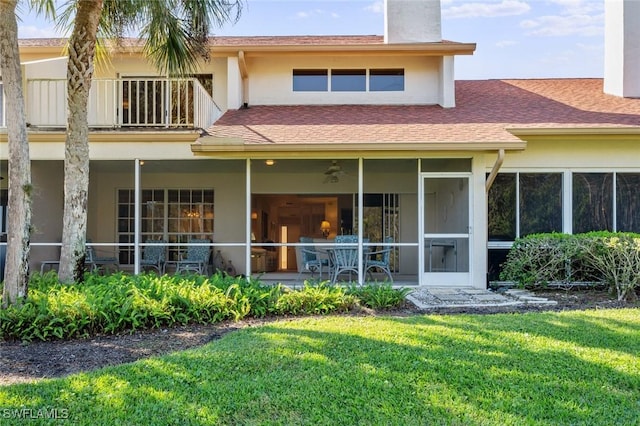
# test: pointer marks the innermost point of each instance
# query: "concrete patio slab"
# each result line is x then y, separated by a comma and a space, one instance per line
446, 297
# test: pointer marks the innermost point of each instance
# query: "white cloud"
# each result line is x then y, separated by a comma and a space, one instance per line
506, 43
487, 9
375, 7
565, 25
305, 14
579, 6
574, 18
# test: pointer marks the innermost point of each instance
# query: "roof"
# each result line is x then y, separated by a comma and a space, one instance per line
286, 43
485, 112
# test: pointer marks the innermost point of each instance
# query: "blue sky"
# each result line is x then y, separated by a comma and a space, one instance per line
515, 38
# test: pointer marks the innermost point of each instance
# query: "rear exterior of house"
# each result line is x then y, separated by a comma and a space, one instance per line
278, 138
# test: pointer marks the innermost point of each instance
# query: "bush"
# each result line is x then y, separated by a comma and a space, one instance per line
315, 299
379, 295
124, 303
616, 257
539, 259
596, 257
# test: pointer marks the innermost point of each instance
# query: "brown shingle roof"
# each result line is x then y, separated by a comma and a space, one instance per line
484, 112
315, 40
277, 43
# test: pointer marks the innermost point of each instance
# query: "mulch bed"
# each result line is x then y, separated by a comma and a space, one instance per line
21, 363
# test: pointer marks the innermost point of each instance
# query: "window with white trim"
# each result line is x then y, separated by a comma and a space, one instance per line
175, 215
348, 80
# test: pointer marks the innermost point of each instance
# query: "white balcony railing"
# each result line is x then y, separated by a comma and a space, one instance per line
134, 102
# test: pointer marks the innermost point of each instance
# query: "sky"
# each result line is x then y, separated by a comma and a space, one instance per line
515, 38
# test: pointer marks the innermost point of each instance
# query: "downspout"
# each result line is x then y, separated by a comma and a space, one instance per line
494, 170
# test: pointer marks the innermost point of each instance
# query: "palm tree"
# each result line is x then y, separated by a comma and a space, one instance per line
20, 189
176, 38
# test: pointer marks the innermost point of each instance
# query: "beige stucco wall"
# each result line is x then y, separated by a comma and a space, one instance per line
48, 197
271, 80
46, 68
572, 153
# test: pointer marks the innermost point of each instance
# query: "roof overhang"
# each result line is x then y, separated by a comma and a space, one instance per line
443, 48
553, 134
236, 148
412, 49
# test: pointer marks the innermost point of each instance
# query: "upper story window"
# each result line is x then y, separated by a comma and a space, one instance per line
310, 80
386, 80
348, 80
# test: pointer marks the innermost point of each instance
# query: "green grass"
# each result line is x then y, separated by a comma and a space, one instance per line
567, 368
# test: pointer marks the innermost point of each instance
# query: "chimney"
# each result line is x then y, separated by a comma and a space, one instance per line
622, 48
412, 21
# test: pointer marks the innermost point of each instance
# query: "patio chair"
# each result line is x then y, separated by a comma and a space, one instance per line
311, 260
380, 259
344, 258
96, 263
154, 255
197, 258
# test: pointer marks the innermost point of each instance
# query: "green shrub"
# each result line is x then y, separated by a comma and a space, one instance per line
616, 257
612, 258
124, 303
539, 259
116, 303
314, 299
379, 295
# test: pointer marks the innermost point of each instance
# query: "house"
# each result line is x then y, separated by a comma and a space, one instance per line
282, 137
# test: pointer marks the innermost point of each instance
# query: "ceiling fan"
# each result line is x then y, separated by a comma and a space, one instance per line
333, 173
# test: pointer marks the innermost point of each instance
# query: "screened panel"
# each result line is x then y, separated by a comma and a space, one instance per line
502, 208
439, 165
176, 215
592, 202
628, 202
540, 203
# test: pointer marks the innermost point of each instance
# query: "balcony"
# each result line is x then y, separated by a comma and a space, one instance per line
122, 103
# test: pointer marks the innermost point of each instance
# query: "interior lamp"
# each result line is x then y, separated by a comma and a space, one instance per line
325, 227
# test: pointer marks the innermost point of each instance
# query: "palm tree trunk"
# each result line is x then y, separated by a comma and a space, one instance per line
20, 190
82, 46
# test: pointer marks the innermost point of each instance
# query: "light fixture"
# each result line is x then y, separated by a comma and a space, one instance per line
270, 162
325, 227
254, 215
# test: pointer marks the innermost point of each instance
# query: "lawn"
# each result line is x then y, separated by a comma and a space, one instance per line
508, 369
